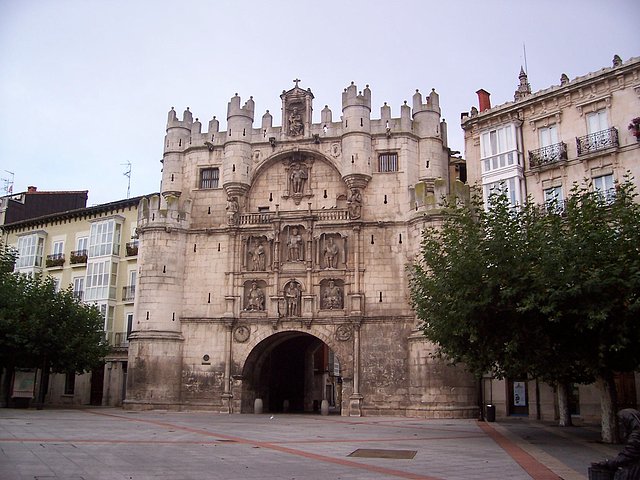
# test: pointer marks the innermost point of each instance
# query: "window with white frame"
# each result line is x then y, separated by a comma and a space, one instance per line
101, 280
498, 148
82, 244
30, 250
605, 186
209, 177
553, 198
388, 162
104, 238
597, 121
548, 135
58, 249
78, 287
506, 186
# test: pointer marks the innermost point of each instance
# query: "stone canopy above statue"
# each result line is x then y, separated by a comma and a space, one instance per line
297, 111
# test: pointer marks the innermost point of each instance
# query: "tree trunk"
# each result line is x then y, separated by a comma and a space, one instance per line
563, 405
42, 388
608, 407
6, 385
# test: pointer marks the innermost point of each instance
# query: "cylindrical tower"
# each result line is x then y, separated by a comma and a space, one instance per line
357, 164
426, 125
176, 141
237, 147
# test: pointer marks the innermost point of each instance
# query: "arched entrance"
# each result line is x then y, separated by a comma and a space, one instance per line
292, 372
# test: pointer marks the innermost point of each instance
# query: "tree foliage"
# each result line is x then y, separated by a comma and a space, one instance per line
546, 292
41, 326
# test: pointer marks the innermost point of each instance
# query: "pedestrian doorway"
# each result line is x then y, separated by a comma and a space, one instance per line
291, 372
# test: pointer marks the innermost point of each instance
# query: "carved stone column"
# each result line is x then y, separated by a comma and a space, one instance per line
227, 396
355, 399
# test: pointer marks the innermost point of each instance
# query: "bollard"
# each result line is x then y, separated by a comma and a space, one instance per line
324, 407
257, 406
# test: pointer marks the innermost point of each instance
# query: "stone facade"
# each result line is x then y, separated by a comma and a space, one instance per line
273, 263
541, 144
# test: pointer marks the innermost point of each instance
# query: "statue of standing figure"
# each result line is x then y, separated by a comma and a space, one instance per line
294, 244
354, 203
298, 176
331, 254
292, 298
258, 258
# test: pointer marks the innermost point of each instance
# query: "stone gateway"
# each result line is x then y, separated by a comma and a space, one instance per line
272, 265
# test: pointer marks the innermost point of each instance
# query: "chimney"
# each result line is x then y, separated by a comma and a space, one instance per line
483, 100
31, 189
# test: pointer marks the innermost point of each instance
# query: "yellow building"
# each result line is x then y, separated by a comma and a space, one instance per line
539, 145
94, 249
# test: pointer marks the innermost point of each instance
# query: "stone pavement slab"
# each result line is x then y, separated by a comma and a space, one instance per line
112, 444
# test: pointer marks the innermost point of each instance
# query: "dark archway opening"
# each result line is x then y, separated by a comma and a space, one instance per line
292, 372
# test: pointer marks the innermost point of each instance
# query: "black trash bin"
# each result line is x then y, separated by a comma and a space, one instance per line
600, 473
490, 413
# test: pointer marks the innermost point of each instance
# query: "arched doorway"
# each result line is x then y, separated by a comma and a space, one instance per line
292, 372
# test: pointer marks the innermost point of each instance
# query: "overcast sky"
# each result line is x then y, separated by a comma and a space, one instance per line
85, 86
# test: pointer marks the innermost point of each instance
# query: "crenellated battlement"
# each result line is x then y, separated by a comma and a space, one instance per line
234, 108
173, 122
351, 97
432, 103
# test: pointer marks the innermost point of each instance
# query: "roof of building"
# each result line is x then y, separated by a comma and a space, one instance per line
74, 213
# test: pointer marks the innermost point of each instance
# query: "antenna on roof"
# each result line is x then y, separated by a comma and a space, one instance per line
8, 183
128, 175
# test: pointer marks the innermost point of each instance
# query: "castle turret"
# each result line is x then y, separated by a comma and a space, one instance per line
427, 126
176, 141
237, 146
357, 165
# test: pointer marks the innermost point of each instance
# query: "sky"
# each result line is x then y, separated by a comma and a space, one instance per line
85, 85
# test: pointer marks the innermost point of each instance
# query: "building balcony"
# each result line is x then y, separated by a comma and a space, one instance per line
595, 142
128, 293
78, 256
547, 155
55, 260
132, 249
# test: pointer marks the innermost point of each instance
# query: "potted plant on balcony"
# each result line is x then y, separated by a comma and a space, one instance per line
634, 126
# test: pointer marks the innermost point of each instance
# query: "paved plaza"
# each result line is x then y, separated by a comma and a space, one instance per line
112, 444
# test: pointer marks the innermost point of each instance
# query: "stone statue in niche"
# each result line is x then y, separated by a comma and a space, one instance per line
294, 246
354, 203
296, 127
330, 253
298, 177
233, 209
255, 298
292, 294
332, 296
258, 257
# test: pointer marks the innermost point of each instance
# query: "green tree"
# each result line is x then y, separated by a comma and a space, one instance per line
47, 329
549, 293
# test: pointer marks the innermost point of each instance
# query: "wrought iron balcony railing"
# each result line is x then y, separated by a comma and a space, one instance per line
128, 293
132, 248
548, 155
55, 260
597, 141
78, 256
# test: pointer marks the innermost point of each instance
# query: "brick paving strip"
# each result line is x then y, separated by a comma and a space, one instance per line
278, 448
533, 467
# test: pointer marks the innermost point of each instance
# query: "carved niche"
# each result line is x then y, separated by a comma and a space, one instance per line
292, 298
332, 251
332, 294
258, 254
297, 170
254, 296
293, 244
297, 110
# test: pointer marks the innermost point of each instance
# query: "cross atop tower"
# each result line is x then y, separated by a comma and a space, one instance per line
297, 80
